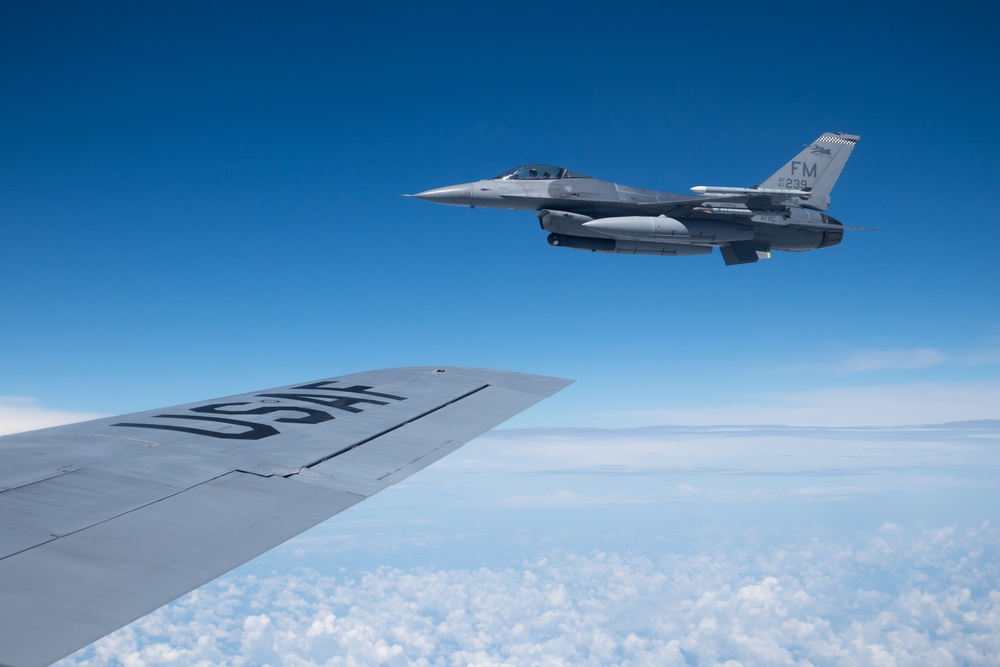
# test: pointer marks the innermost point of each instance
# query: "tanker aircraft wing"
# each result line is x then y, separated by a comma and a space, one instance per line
105, 521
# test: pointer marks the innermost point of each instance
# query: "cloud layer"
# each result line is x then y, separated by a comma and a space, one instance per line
928, 597
883, 405
24, 414
628, 547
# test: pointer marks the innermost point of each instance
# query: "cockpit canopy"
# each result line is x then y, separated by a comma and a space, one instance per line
537, 172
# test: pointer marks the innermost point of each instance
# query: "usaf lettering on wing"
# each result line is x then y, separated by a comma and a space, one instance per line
359, 397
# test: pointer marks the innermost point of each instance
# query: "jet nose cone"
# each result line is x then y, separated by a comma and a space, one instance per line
456, 195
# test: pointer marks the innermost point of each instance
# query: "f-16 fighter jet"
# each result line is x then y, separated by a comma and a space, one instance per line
785, 212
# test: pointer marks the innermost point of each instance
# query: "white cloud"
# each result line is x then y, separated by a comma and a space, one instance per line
860, 361
24, 414
848, 360
564, 498
896, 596
917, 403
622, 458
982, 357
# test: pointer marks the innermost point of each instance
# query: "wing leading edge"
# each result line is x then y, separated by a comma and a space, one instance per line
105, 521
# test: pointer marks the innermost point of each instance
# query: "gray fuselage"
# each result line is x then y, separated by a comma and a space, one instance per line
591, 214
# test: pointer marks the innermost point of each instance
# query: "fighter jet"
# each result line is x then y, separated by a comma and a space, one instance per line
785, 212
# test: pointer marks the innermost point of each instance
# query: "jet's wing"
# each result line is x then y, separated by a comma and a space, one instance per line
105, 521
666, 204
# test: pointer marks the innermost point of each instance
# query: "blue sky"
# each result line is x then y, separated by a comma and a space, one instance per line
199, 200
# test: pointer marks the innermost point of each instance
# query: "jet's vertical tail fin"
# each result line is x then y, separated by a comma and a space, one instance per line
816, 168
